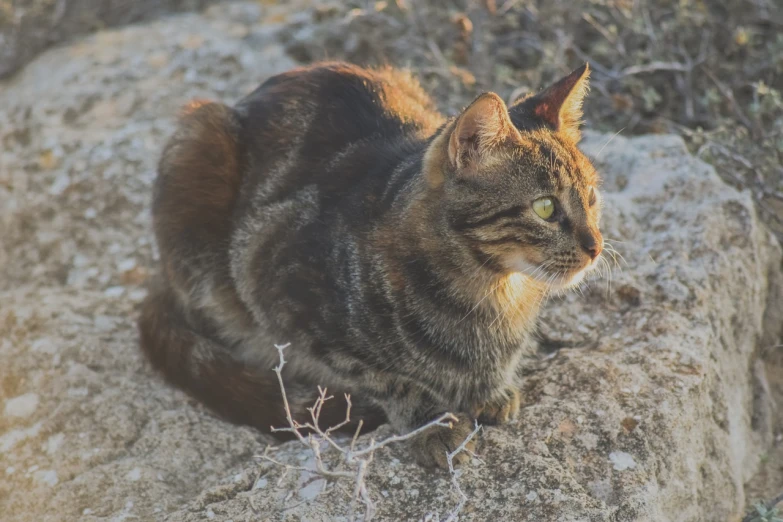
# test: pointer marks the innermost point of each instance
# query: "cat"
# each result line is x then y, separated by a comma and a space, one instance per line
404, 256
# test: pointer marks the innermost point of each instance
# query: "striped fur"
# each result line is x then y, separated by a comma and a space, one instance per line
396, 250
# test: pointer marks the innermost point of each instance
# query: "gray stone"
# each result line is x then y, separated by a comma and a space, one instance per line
649, 404
28, 27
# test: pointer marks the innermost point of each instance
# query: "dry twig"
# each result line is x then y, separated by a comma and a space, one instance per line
357, 461
454, 474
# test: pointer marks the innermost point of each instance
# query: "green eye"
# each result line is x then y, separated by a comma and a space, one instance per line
544, 207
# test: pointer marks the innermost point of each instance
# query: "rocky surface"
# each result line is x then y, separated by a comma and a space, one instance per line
29, 26
651, 405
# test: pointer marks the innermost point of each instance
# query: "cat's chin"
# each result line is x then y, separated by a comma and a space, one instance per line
556, 284
573, 279
567, 281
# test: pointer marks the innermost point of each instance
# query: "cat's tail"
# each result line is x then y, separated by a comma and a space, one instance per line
236, 391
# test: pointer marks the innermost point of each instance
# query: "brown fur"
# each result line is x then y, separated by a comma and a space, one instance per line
395, 250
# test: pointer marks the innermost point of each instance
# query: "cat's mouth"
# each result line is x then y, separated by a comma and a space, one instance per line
555, 280
568, 279
572, 278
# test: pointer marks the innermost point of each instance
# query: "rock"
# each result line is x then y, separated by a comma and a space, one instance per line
25, 31
22, 406
648, 403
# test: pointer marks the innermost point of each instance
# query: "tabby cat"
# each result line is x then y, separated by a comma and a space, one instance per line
404, 256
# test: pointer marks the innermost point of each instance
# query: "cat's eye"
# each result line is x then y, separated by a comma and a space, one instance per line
592, 198
544, 208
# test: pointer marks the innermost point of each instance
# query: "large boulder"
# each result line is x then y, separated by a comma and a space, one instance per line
649, 402
28, 27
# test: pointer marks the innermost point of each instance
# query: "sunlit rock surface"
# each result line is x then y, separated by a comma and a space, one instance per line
648, 404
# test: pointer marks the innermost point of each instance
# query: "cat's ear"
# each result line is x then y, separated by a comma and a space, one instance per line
482, 127
558, 107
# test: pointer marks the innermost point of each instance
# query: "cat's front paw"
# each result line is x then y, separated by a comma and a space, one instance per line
431, 447
501, 410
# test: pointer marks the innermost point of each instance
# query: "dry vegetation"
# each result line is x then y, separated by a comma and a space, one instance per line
355, 461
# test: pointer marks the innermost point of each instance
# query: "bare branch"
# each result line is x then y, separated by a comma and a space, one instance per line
347, 416
356, 434
728, 93
357, 460
654, 67
454, 474
440, 421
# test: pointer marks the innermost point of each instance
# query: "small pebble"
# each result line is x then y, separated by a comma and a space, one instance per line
114, 291
22, 406
622, 460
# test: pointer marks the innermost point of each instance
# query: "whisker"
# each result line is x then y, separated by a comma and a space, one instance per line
507, 306
615, 254
611, 248
489, 292
608, 275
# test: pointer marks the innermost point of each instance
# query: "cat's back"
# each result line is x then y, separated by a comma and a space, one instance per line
319, 144
320, 110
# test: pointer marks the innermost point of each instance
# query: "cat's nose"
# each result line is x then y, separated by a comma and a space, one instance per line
592, 245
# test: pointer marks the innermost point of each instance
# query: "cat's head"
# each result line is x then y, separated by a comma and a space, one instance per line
516, 189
